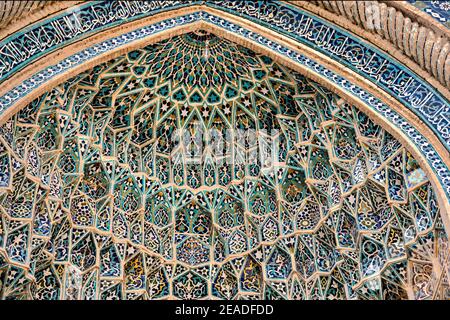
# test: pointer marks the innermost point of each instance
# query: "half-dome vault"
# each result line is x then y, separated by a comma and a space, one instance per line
197, 168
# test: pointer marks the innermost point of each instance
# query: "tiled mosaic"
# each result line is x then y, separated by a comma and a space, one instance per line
439, 10
99, 201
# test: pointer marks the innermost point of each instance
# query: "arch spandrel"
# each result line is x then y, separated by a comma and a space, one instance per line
309, 201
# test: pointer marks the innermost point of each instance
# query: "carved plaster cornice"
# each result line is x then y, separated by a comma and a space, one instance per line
12, 10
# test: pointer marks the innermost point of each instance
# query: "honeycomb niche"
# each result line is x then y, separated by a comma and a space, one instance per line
102, 196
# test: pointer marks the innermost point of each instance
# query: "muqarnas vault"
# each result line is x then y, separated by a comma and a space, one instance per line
98, 201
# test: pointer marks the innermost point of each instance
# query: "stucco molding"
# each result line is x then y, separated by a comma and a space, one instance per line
11, 11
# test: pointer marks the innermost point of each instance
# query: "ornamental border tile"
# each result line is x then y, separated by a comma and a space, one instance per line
438, 10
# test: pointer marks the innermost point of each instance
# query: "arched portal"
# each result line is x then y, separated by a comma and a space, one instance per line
201, 164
